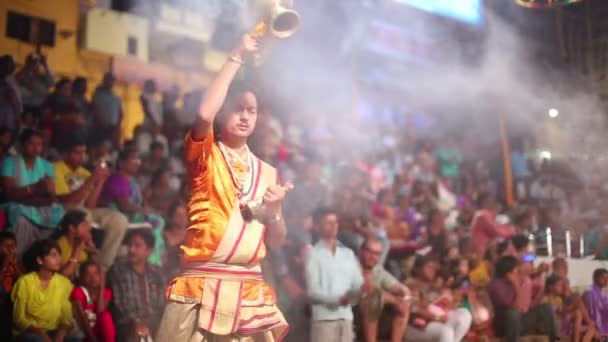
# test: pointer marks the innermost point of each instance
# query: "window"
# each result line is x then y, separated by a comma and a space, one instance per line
132, 46
29, 29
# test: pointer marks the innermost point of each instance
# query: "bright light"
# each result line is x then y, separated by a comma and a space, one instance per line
544, 155
553, 113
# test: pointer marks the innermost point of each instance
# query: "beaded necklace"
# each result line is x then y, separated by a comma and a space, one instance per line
241, 170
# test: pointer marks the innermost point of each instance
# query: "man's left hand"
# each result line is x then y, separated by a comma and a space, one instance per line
273, 198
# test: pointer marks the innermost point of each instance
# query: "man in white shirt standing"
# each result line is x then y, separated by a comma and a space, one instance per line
334, 281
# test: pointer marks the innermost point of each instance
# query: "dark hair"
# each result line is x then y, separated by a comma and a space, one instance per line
157, 175
236, 89
156, 145
454, 265
72, 217
108, 77
28, 134
39, 249
551, 281
7, 65
74, 140
520, 241
482, 198
149, 84
4, 130
144, 233
419, 263
63, 81
7, 236
126, 153
559, 261
321, 213
382, 193
79, 85
505, 265
598, 273
502, 247
431, 215
84, 267
173, 208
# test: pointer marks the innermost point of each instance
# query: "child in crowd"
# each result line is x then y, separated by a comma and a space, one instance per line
76, 242
559, 267
474, 299
91, 300
457, 273
569, 316
10, 270
42, 309
596, 301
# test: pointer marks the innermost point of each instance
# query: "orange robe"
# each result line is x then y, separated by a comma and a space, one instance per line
222, 253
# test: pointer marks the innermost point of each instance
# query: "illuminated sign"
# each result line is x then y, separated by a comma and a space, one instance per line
401, 44
544, 3
469, 11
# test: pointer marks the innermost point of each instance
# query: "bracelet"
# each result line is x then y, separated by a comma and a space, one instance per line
236, 58
74, 260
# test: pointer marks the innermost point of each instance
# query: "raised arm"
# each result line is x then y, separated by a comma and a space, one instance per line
217, 90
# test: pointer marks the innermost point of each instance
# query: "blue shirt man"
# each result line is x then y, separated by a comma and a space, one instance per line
334, 280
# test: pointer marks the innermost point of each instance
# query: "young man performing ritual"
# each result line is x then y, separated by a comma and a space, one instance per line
234, 211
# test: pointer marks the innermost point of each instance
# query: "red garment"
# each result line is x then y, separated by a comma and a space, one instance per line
485, 229
2, 221
10, 277
102, 324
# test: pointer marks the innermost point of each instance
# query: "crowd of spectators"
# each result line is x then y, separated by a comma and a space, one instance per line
415, 231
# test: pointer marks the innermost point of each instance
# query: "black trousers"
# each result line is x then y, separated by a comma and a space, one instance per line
540, 320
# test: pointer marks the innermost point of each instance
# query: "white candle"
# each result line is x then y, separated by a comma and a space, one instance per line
549, 242
582, 246
568, 250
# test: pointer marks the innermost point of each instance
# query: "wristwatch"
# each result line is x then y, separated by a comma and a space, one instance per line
236, 58
276, 218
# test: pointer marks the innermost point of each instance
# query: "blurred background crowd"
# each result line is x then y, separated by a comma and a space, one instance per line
448, 234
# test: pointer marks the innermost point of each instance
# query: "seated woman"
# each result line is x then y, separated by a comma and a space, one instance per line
435, 315
174, 235
158, 194
76, 242
596, 301
10, 271
436, 234
27, 179
91, 299
475, 299
41, 305
122, 192
569, 317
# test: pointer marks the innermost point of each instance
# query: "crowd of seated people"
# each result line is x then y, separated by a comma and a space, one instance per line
406, 243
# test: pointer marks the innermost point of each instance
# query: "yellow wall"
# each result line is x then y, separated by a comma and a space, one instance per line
66, 58
109, 31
